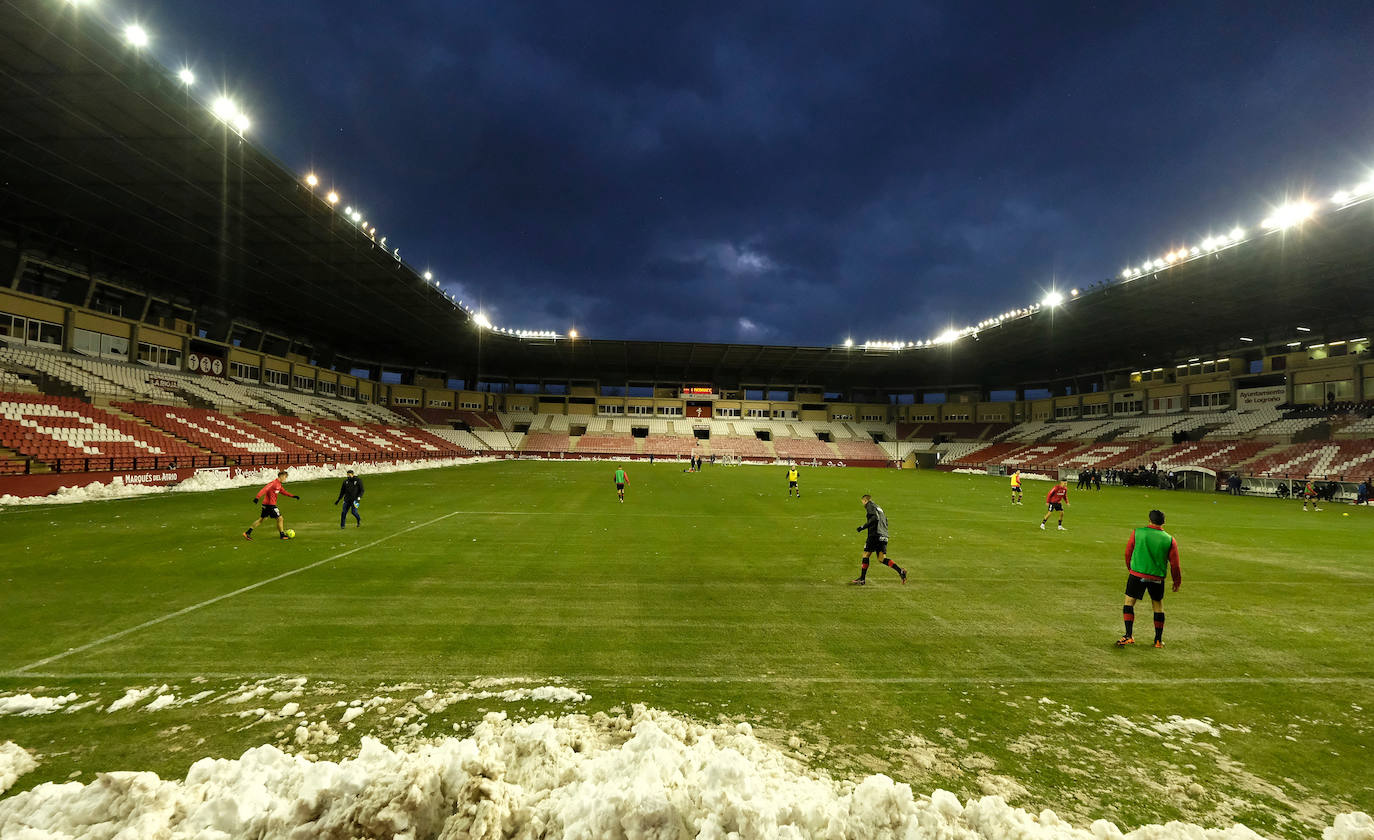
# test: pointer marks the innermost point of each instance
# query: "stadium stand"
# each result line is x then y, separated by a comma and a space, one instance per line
220, 434
546, 442
803, 449
861, 450
68, 435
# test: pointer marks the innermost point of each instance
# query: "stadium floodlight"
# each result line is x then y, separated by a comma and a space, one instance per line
187, 77
429, 275
947, 336
1288, 215
1193, 252
572, 333
312, 180
1236, 234
481, 320
241, 122
348, 211
1053, 299
1159, 263
136, 35
332, 198
1304, 329
1243, 338
849, 342
224, 108
1341, 197
1073, 292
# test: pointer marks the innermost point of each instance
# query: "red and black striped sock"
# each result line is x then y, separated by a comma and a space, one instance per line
1159, 626
1128, 617
863, 569
887, 561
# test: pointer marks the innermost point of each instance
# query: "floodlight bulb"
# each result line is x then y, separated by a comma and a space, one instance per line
1236, 234
572, 333
311, 180
136, 35
849, 342
481, 320
241, 122
1341, 197
187, 77
429, 275
224, 108
332, 198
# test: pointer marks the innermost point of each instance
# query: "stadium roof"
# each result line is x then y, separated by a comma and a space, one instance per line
109, 163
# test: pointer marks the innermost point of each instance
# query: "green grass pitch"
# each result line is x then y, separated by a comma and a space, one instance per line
717, 596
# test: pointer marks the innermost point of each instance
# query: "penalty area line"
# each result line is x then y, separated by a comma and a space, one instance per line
215, 600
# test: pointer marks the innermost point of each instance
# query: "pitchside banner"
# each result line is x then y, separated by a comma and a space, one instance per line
1249, 399
205, 364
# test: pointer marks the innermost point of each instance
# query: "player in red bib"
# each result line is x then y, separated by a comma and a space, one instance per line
1055, 501
268, 495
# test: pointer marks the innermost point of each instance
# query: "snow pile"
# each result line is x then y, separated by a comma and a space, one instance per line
26, 705
211, 480
1191, 726
1027, 476
160, 702
1356, 826
648, 775
15, 761
133, 696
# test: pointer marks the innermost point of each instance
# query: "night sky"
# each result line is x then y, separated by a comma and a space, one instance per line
789, 172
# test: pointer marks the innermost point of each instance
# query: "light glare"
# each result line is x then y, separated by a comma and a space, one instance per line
186, 76
136, 35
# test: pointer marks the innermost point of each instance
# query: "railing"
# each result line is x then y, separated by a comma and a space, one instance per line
26, 466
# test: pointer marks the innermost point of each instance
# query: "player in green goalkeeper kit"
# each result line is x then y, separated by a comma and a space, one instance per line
1149, 551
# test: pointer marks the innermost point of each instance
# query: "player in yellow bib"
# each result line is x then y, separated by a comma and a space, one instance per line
1016, 487
792, 483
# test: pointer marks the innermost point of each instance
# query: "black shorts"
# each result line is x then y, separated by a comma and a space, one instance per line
619, 486
791, 484
1137, 587
875, 544
270, 512
1056, 506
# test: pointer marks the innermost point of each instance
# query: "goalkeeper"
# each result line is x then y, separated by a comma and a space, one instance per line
351, 493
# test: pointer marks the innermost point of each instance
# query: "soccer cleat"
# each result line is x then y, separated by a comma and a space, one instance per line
1042, 526
247, 536
858, 582
903, 575
1062, 528
1159, 643
1125, 640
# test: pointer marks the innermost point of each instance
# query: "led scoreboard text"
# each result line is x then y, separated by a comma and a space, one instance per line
698, 393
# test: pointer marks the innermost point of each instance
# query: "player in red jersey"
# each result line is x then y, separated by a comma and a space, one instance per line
1055, 501
268, 495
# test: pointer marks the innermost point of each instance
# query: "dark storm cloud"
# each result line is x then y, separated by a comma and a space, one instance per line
795, 172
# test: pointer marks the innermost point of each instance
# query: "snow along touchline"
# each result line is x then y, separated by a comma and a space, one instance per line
250, 587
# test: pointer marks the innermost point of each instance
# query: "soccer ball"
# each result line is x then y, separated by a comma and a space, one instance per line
290, 534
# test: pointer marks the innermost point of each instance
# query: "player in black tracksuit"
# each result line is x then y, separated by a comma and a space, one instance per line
350, 494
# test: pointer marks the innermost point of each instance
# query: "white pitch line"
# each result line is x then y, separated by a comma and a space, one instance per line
184, 610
